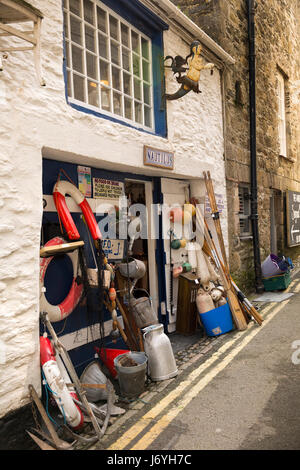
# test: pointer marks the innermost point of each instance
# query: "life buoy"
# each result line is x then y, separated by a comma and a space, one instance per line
61, 311
61, 393
61, 188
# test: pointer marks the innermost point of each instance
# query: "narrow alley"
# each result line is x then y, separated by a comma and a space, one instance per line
240, 393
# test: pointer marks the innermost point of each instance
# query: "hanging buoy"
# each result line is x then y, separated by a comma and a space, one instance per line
175, 244
186, 217
183, 243
190, 208
186, 267
112, 294
57, 385
176, 214
61, 311
177, 271
61, 188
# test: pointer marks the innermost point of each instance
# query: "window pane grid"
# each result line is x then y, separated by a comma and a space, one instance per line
122, 85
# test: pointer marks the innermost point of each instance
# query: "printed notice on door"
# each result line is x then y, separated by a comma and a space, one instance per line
109, 189
293, 217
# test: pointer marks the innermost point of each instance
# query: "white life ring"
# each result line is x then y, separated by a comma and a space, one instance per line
55, 380
61, 311
61, 188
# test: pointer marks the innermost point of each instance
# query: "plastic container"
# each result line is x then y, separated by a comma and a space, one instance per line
132, 379
270, 267
217, 321
279, 282
108, 356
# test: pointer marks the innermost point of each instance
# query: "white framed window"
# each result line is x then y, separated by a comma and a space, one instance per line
282, 115
244, 211
108, 63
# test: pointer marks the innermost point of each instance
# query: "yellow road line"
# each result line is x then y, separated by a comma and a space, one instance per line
290, 286
168, 417
145, 420
297, 289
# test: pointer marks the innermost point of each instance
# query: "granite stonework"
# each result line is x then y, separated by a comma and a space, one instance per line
277, 29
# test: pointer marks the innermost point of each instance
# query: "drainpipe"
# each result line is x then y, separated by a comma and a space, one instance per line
253, 164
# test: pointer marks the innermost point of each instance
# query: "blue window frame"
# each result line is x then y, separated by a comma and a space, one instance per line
113, 58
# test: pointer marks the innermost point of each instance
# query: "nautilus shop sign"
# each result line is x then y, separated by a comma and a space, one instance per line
158, 158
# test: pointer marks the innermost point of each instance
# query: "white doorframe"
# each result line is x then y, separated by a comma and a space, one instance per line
152, 268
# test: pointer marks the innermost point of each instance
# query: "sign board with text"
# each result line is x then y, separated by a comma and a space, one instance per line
113, 249
158, 158
293, 218
108, 189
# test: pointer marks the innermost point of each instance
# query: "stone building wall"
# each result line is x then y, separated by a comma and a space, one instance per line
37, 122
277, 29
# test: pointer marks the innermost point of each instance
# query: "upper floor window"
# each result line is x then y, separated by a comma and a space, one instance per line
108, 63
282, 115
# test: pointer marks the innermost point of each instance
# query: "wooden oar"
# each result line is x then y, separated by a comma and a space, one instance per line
237, 314
215, 215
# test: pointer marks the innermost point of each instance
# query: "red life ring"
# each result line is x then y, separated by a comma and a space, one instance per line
61, 311
61, 188
55, 378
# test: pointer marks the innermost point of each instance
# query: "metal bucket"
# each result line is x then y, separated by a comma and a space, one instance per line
143, 312
134, 269
132, 379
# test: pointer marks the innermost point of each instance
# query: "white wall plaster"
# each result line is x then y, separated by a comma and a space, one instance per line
37, 120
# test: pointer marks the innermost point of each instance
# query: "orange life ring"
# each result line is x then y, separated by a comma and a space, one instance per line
61, 188
61, 311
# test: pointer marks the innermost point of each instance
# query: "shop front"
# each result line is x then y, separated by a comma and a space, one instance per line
102, 122
148, 199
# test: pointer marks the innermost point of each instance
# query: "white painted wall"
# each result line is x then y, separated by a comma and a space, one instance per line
36, 121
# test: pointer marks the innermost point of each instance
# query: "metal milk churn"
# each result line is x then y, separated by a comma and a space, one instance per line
161, 360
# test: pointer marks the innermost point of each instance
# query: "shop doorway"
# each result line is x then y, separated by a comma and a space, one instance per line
140, 196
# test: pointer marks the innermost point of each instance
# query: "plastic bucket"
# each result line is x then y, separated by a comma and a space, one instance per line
108, 356
132, 379
270, 267
217, 321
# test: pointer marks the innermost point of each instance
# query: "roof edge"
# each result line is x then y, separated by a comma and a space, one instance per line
171, 12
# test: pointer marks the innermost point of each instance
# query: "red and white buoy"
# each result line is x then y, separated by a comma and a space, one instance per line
61, 188
55, 378
61, 311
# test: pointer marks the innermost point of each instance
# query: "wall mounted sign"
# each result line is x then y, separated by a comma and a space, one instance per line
158, 158
293, 218
191, 67
109, 189
113, 249
84, 180
219, 201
